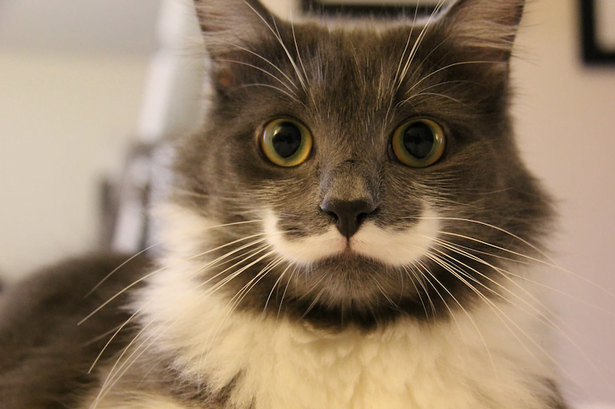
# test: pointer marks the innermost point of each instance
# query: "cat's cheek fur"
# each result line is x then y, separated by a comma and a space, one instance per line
393, 247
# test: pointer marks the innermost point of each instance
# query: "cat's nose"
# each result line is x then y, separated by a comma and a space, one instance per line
348, 214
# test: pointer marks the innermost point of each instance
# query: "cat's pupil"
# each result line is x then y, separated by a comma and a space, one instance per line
418, 140
286, 139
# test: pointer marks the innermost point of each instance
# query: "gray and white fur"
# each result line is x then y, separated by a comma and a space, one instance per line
350, 280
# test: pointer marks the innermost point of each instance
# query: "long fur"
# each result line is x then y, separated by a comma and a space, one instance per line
259, 297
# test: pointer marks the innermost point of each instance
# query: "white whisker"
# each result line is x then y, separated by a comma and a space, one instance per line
290, 90
118, 268
419, 41
276, 34
116, 373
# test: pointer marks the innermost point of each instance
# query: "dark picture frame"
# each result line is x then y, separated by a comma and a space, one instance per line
593, 53
364, 10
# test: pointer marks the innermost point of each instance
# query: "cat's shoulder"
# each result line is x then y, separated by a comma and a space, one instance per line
43, 346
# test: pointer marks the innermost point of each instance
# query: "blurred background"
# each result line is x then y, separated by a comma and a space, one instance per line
88, 87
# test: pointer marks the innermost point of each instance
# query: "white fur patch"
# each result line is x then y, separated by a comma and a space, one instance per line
392, 247
396, 248
491, 358
304, 250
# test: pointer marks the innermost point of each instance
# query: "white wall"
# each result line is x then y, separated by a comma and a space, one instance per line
64, 121
566, 123
71, 82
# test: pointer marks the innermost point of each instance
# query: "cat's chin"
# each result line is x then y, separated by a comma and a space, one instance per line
348, 258
352, 289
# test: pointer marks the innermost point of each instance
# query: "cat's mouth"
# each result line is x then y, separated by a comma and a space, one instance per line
348, 256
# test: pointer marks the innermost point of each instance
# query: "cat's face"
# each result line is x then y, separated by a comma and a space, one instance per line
369, 173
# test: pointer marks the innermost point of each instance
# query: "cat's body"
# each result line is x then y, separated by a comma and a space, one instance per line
469, 362
352, 228
466, 363
44, 355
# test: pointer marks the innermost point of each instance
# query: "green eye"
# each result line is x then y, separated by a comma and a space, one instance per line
286, 142
418, 143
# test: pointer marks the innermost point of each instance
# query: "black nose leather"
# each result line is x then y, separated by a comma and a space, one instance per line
348, 214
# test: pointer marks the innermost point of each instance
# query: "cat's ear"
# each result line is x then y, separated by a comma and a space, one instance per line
229, 25
487, 26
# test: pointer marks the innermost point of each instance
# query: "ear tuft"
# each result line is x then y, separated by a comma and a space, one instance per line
228, 25
490, 25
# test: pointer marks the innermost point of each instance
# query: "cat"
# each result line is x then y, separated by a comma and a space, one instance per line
353, 227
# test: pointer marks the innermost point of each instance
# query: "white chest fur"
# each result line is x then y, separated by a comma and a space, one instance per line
489, 359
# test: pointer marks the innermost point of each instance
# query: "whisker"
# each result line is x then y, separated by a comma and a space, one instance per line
243, 292
446, 67
118, 268
580, 277
403, 53
116, 373
291, 96
419, 41
467, 251
286, 289
314, 303
447, 267
290, 90
292, 27
435, 94
274, 287
213, 262
549, 263
276, 34
539, 315
110, 340
414, 277
159, 270
500, 314
533, 247
426, 270
247, 50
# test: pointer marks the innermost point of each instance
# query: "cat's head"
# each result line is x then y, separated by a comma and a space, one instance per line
360, 174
